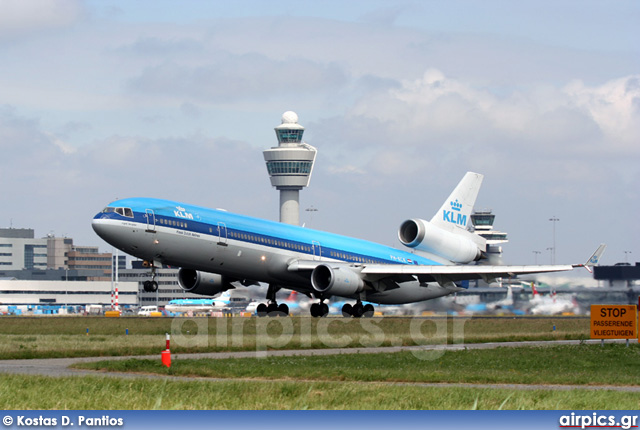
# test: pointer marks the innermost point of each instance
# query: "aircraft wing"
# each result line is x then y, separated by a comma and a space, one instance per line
444, 274
455, 273
437, 273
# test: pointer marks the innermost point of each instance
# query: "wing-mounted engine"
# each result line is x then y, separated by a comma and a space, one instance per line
336, 280
203, 283
459, 246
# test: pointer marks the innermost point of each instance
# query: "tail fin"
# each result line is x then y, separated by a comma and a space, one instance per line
533, 288
455, 213
595, 257
292, 297
509, 293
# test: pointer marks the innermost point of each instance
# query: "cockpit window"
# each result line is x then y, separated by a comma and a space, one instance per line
120, 211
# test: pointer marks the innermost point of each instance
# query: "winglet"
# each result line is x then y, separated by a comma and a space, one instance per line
594, 259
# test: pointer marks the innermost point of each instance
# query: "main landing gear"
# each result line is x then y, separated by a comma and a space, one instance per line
272, 308
319, 310
358, 310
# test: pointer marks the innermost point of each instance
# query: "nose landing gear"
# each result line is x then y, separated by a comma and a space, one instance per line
151, 286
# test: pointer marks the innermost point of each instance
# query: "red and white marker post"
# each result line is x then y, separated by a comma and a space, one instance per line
166, 354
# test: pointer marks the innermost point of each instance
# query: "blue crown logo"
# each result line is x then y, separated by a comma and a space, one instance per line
456, 206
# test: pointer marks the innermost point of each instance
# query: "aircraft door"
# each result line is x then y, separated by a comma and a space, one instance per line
222, 234
151, 221
317, 250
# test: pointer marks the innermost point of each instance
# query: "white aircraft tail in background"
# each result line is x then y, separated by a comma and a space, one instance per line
594, 260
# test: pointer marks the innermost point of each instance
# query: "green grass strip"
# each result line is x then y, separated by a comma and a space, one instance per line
24, 337
574, 365
35, 392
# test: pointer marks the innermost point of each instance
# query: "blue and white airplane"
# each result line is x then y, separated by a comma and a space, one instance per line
225, 301
218, 250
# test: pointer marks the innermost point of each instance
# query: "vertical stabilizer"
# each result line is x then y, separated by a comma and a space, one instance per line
455, 213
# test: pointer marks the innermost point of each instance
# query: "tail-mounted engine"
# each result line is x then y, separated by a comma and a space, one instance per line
457, 247
340, 281
203, 283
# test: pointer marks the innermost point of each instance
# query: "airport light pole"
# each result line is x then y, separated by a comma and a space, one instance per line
626, 256
550, 255
553, 219
311, 210
536, 253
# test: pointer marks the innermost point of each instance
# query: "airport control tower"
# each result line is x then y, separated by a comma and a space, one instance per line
290, 165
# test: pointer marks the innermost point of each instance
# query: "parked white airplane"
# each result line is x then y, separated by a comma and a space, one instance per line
506, 303
478, 307
218, 250
551, 304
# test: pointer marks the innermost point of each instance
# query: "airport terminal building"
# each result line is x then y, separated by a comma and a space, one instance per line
61, 293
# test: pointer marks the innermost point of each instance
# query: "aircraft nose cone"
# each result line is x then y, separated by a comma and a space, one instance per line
99, 226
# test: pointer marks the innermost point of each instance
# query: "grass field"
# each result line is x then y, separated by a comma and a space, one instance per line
22, 337
614, 364
35, 392
354, 381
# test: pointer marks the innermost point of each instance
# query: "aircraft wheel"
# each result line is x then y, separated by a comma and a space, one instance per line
324, 309
347, 310
358, 310
368, 310
283, 309
272, 309
313, 310
150, 286
261, 310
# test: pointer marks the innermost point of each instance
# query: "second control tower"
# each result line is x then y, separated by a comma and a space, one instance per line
290, 165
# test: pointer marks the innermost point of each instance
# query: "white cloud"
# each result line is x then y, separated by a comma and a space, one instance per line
615, 107
20, 17
229, 78
437, 110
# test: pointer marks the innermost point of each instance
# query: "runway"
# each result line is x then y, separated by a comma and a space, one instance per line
59, 367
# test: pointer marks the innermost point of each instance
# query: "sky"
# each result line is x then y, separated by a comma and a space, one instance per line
102, 99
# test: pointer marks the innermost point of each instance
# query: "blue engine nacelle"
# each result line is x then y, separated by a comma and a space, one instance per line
339, 281
203, 283
424, 236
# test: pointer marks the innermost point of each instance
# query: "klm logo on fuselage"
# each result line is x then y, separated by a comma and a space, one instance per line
454, 216
181, 212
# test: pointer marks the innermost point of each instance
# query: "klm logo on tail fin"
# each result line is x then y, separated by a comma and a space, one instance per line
454, 216
455, 213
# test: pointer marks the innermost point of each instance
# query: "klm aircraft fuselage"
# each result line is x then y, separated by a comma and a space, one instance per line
243, 248
218, 250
